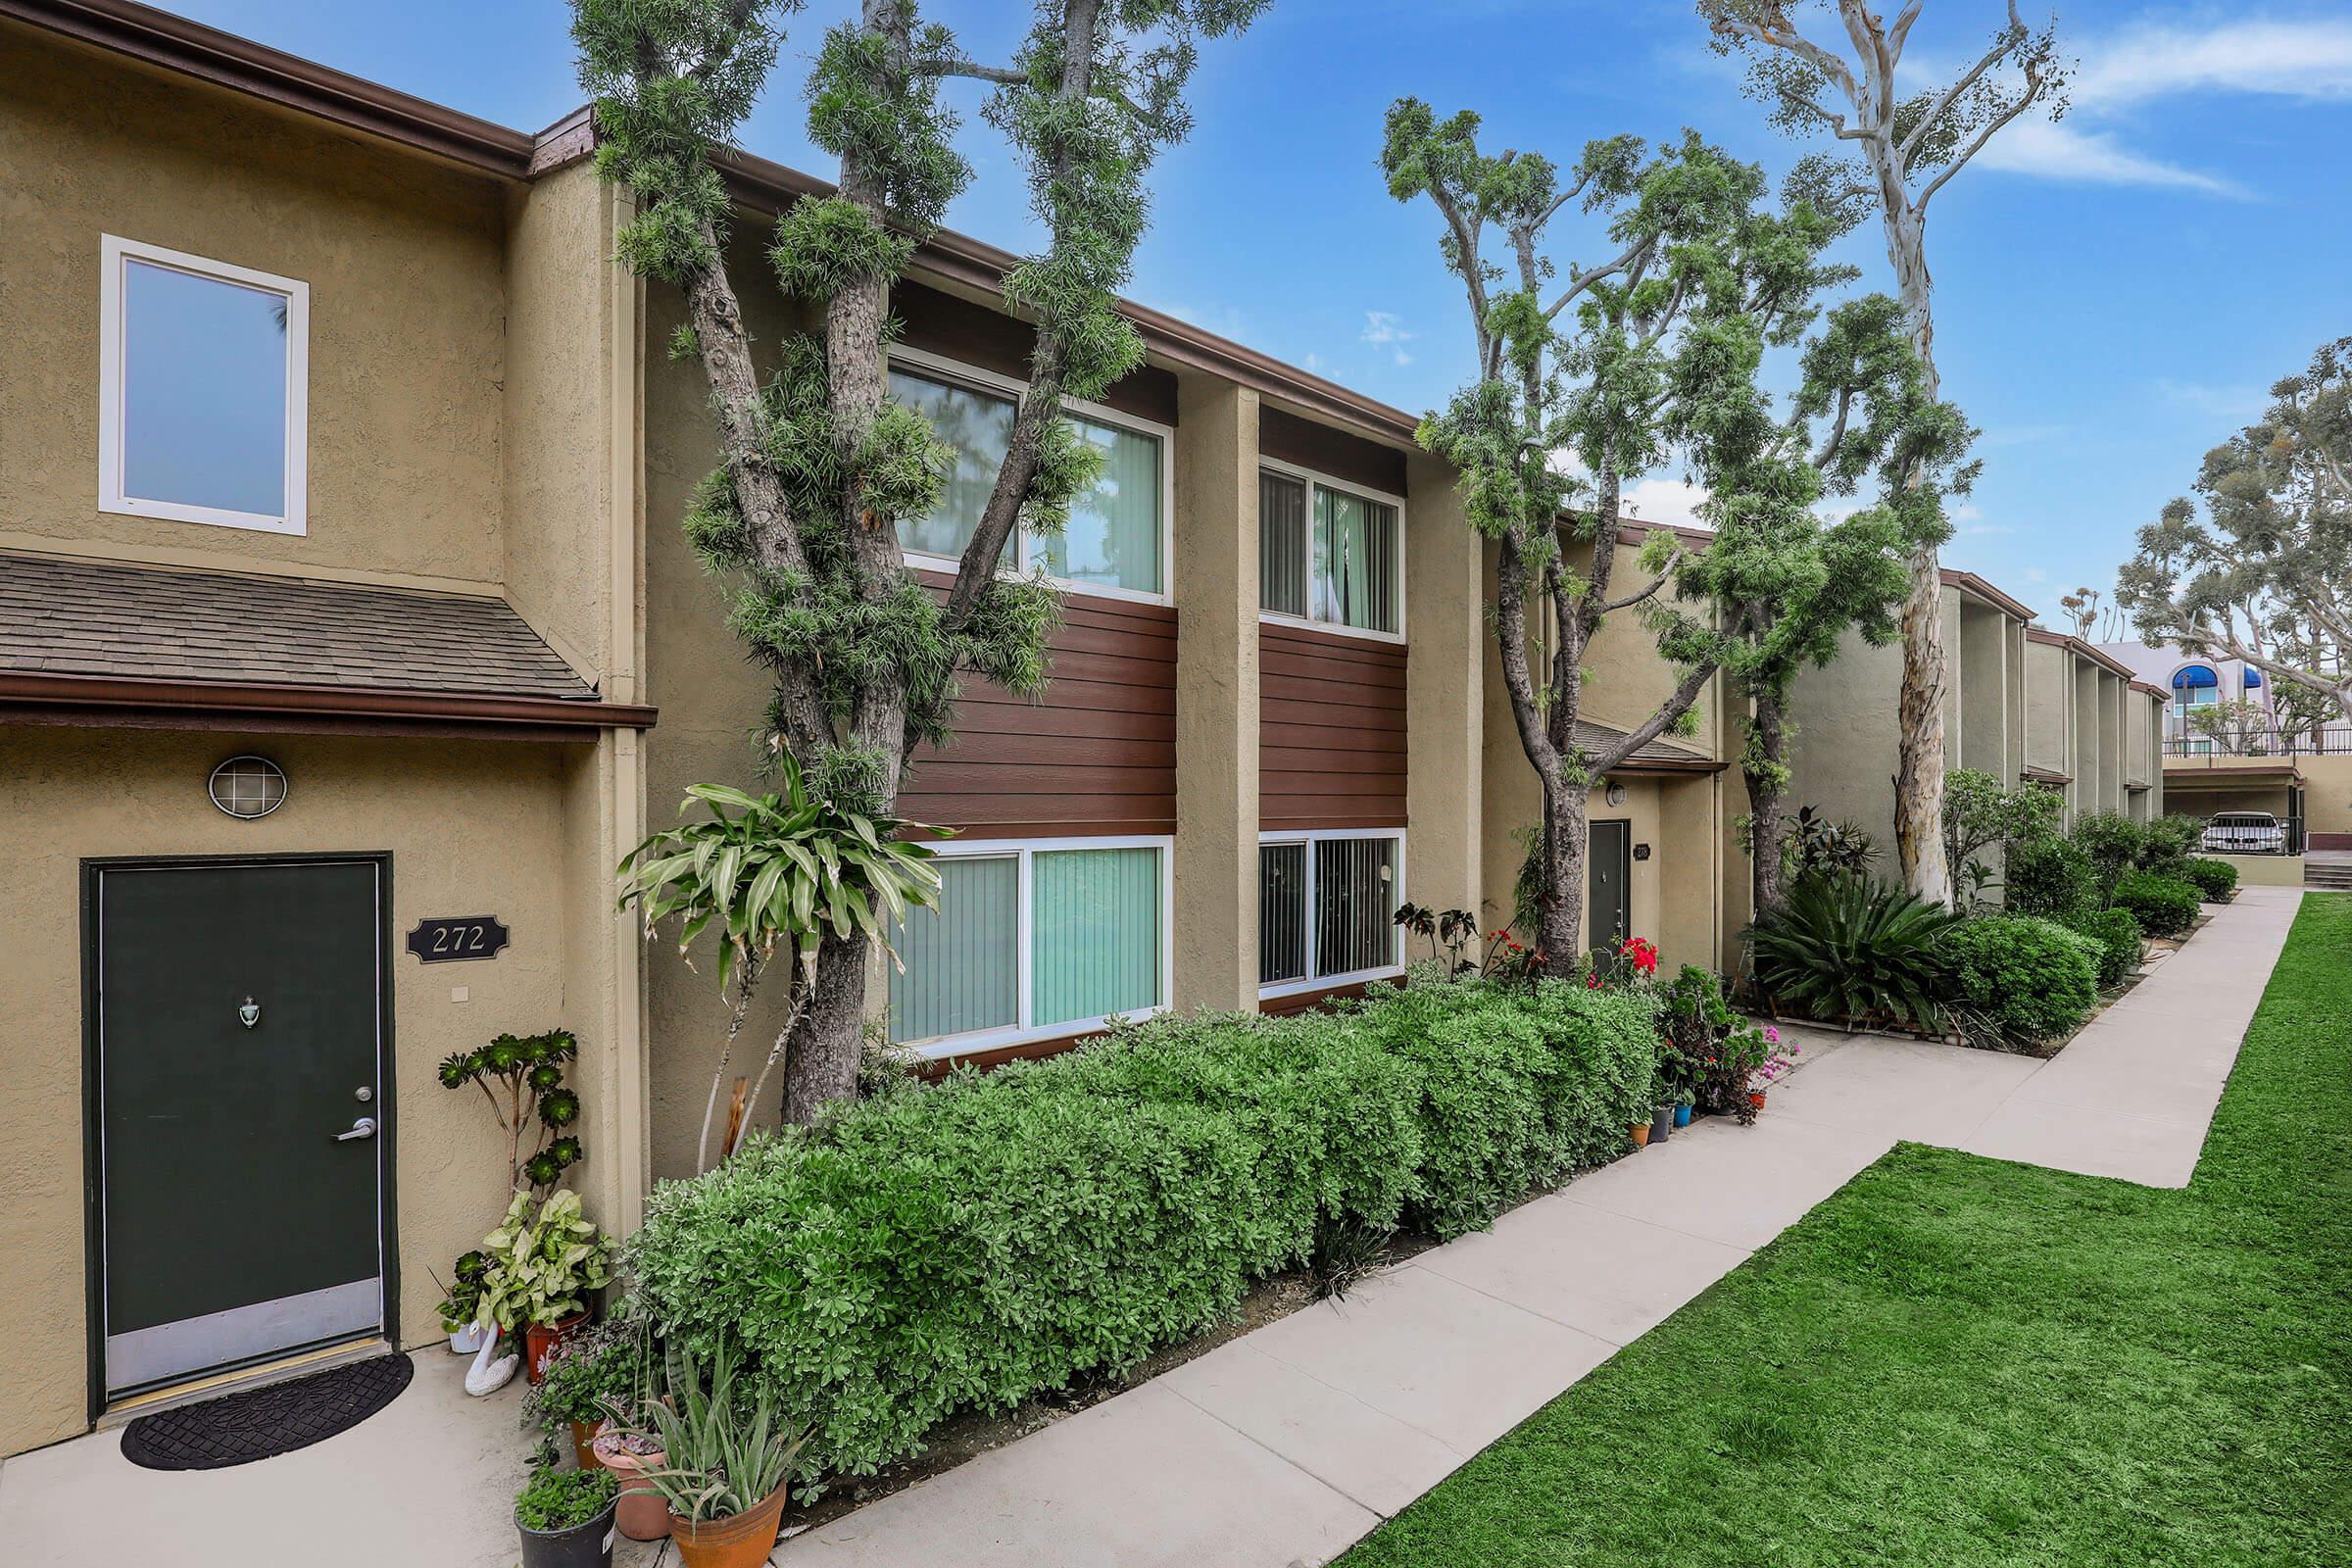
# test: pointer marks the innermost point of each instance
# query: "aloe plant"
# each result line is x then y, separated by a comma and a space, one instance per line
775, 874
722, 1452
1846, 948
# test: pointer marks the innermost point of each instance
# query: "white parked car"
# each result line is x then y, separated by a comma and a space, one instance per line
2246, 833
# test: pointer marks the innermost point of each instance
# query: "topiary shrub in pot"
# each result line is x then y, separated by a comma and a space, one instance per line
2032, 979
2164, 906
2213, 880
2049, 876
2117, 932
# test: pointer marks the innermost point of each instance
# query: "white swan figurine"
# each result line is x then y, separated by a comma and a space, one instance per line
490, 1371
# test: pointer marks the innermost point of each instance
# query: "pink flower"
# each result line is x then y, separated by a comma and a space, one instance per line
1772, 1035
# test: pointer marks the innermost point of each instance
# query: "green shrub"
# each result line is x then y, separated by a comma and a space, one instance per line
2117, 932
2112, 843
2169, 842
2050, 877
2213, 880
2034, 978
1846, 948
2165, 905
970, 1243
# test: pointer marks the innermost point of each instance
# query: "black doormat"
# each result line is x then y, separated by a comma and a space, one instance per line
240, 1428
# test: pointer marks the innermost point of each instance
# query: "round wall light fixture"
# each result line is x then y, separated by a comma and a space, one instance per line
248, 787
1614, 794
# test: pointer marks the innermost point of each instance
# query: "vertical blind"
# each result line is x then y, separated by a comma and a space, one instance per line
1355, 561
1354, 905
962, 958
1281, 912
1114, 533
1094, 933
1282, 544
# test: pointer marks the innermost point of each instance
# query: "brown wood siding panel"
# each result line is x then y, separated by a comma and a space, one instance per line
1307, 1001
956, 329
1095, 755
1349, 459
1331, 730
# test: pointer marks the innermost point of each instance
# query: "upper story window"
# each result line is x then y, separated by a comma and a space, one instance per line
1328, 553
1116, 541
204, 390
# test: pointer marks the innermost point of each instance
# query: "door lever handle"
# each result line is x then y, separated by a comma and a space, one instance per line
365, 1127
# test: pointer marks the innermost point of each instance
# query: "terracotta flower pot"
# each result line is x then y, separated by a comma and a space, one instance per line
739, 1541
539, 1342
644, 1516
1641, 1131
1755, 1098
583, 1444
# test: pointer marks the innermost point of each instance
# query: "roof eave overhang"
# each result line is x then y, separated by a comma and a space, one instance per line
108, 702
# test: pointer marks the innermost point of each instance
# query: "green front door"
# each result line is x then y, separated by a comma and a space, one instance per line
241, 1110
1609, 874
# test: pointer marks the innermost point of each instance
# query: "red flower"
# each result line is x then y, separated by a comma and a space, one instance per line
1592, 982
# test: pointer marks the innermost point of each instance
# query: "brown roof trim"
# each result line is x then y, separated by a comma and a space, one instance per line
192, 49
1970, 582
2185, 771
975, 264
206, 705
2152, 691
1637, 768
2105, 660
2044, 775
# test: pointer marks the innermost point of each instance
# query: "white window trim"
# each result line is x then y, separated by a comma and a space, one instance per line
1327, 982
114, 253
955, 371
1306, 566
1023, 1031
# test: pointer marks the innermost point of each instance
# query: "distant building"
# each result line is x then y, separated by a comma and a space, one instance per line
2193, 681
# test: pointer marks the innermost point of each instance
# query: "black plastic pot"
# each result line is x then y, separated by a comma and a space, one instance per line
1661, 1123
588, 1545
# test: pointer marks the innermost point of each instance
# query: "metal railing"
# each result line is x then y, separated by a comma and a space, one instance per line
2327, 740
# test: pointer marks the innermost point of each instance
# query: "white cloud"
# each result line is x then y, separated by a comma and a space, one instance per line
1384, 326
1660, 500
2233, 405
2068, 151
2309, 59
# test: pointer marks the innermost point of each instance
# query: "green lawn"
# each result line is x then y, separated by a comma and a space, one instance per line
1960, 1361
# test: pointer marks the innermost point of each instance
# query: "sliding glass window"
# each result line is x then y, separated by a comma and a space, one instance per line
1326, 907
1031, 941
1328, 555
1115, 537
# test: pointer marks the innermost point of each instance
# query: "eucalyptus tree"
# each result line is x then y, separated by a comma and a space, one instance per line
2266, 575
1787, 585
1615, 365
820, 465
1897, 147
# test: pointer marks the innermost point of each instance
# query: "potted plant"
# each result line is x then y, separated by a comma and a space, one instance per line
566, 1518
544, 1259
461, 1302
1685, 1102
1640, 1134
727, 1456
584, 1380
632, 1454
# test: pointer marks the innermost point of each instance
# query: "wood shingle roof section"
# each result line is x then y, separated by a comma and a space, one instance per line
80, 637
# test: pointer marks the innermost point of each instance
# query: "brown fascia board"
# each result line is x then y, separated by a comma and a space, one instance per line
2157, 691
1970, 582
2215, 771
2044, 775
2058, 639
191, 49
104, 699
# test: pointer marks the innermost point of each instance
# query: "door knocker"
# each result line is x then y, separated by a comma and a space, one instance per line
250, 1013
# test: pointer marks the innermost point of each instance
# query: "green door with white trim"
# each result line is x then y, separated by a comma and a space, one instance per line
241, 1109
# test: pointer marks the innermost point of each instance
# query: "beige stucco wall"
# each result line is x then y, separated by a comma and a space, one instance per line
1215, 581
2049, 708
407, 342
1982, 652
2267, 871
470, 825
1446, 626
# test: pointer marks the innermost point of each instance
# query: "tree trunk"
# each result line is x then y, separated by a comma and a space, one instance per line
1765, 772
820, 1064
1561, 906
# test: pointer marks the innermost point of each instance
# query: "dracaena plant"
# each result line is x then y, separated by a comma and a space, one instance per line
775, 876
522, 1078
544, 1259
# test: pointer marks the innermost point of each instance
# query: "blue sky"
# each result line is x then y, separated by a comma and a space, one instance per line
2114, 293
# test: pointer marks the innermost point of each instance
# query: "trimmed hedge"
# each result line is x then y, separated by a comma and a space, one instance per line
2050, 877
2117, 932
2034, 978
2165, 905
2213, 880
970, 1243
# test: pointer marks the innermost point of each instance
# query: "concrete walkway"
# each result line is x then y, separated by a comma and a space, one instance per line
1284, 1447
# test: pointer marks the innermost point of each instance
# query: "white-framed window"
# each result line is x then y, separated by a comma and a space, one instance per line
204, 389
1330, 553
1119, 537
1034, 939
1327, 908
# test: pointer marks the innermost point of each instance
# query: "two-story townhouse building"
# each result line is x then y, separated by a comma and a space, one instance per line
341, 588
